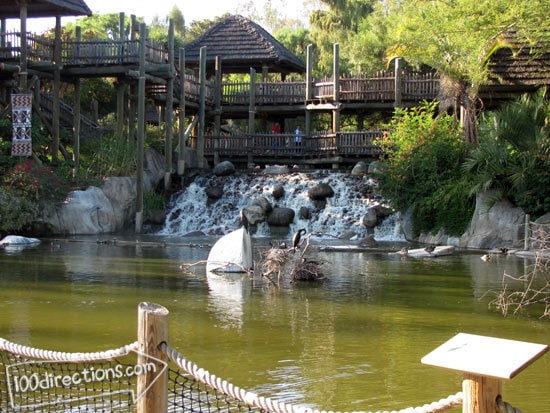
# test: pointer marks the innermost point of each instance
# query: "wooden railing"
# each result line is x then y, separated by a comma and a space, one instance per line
377, 88
316, 145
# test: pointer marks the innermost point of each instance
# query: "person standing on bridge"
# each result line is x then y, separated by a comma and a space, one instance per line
298, 136
276, 130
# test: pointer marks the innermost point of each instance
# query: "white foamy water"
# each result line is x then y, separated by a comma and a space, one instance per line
190, 210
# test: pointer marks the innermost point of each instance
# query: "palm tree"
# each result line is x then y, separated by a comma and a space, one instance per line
514, 153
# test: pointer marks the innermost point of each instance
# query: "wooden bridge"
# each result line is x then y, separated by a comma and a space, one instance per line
263, 101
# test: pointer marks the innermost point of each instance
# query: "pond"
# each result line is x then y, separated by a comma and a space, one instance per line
350, 343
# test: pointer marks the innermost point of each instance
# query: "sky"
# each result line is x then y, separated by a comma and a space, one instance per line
192, 10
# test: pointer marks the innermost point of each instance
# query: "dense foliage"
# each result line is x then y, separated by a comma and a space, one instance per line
513, 157
424, 152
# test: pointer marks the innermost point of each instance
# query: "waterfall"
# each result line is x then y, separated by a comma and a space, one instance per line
191, 210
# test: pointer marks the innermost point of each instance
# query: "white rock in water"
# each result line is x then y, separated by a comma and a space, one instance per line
18, 240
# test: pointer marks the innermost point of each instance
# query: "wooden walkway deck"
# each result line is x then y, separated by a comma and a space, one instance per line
268, 147
290, 99
93, 58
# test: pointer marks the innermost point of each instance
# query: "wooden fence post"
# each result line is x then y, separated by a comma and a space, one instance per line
152, 388
484, 362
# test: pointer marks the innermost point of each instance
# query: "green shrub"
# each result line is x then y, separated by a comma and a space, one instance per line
424, 153
16, 212
513, 157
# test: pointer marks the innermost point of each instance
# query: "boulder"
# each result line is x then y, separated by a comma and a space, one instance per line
281, 217
376, 167
224, 168
304, 213
370, 219
320, 192
490, 227
108, 209
254, 214
501, 224
263, 203
368, 242
214, 192
121, 193
278, 192
85, 212
153, 169
359, 169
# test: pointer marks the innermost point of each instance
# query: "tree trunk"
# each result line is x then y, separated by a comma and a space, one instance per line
468, 115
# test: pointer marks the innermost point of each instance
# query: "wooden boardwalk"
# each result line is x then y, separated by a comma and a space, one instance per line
289, 99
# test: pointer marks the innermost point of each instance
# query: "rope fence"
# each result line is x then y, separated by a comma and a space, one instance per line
146, 376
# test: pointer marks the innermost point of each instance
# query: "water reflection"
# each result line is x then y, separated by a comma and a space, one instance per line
227, 293
352, 342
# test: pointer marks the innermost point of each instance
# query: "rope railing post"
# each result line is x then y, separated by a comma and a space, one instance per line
152, 387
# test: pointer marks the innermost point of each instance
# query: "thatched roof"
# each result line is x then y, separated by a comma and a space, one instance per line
242, 44
9, 9
522, 67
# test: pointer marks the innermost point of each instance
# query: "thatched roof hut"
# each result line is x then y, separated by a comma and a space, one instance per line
10, 9
242, 44
520, 68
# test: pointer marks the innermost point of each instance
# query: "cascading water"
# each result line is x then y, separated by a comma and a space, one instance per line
191, 210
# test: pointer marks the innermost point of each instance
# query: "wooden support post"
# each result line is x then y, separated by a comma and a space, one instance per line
484, 362
23, 55
141, 130
398, 83
169, 112
181, 113
202, 107
56, 113
336, 91
251, 114
480, 393
309, 86
152, 388
218, 109
76, 130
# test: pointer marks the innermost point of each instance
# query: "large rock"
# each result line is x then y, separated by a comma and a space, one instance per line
499, 225
359, 169
281, 217
86, 212
502, 224
370, 219
106, 209
224, 168
263, 203
320, 192
254, 214
121, 193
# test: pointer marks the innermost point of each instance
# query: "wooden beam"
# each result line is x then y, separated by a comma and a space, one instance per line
217, 108
141, 130
251, 112
202, 104
181, 115
169, 111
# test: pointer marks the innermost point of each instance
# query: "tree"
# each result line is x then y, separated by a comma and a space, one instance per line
458, 37
179, 21
337, 21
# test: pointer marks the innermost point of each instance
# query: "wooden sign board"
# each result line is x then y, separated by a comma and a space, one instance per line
485, 356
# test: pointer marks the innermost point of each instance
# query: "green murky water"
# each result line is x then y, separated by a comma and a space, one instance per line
353, 342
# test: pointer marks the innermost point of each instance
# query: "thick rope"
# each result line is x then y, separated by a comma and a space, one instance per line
49, 355
274, 406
